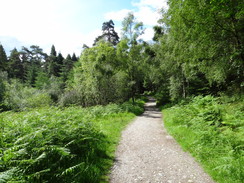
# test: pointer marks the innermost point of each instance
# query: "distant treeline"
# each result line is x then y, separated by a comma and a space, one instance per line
197, 49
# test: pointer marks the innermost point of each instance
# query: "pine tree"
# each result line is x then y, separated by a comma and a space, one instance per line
67, 66
3, 78
53, 51
74, 58
109, 34
59, 64
51, 63
3, 59
15, 67
32, 59
42, 80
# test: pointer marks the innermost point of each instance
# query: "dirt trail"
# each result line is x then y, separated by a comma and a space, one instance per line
147, 153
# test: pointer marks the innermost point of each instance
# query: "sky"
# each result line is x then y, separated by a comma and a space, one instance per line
68, 24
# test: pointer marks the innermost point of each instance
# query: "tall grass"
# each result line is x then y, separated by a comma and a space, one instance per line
213, 131
61, 145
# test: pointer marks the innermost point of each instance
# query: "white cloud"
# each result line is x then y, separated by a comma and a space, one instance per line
147, 16
32, 22
146, 11
148, 34
89, 38
149, 11
43, 23
69, 43
156, 4
117, 15
61, 22
9, 43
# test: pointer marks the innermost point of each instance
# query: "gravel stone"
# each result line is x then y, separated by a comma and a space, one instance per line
147, 153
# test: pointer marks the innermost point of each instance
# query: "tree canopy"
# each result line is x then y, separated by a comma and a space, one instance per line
108, 34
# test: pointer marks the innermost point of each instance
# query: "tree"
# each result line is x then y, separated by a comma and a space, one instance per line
33, 60
60, 62
3, 79
158, 32
109, 34
16, 67
42, 80
68, 64
130, 49
199, 45
84, 46
98, 76
3, 59
74, 58
53, 51
54, 63
131, 29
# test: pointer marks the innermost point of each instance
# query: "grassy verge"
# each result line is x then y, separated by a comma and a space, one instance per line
61, 145
212, 130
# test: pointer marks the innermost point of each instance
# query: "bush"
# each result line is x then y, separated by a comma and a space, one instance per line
38, 99
2, 91
50, 145
19, 97
70, 98
162, 97
137, 108
55, 88
60, 145
213, 132
3, 78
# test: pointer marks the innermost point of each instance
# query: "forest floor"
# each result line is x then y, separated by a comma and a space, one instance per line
148, 154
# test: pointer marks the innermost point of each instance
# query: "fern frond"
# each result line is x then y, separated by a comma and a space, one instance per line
72, 169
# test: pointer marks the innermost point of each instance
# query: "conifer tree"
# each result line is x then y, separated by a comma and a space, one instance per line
32, 59
3, 59
74, 58
109, 34
53, 51
67, 66
59, 65
15, 67
51, 64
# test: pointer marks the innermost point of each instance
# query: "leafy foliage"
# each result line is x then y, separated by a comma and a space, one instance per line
3, 59
19, 97
98, 77
197, 50
200, 47
212, 131
60, 145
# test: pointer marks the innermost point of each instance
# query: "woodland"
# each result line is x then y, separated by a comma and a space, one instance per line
61, 118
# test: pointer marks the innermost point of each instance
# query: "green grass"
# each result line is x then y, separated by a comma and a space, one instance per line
62, 144
212, 130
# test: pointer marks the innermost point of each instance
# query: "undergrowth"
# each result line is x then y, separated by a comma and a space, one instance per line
212, 129
61, 144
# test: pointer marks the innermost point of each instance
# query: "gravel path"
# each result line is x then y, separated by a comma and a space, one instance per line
147, 153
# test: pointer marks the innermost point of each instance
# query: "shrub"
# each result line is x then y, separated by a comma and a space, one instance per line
50, 145
19, 97
136, 108
38, 99
60, 145
212, 131
55, 88
3, 79
71, 97
162, 97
